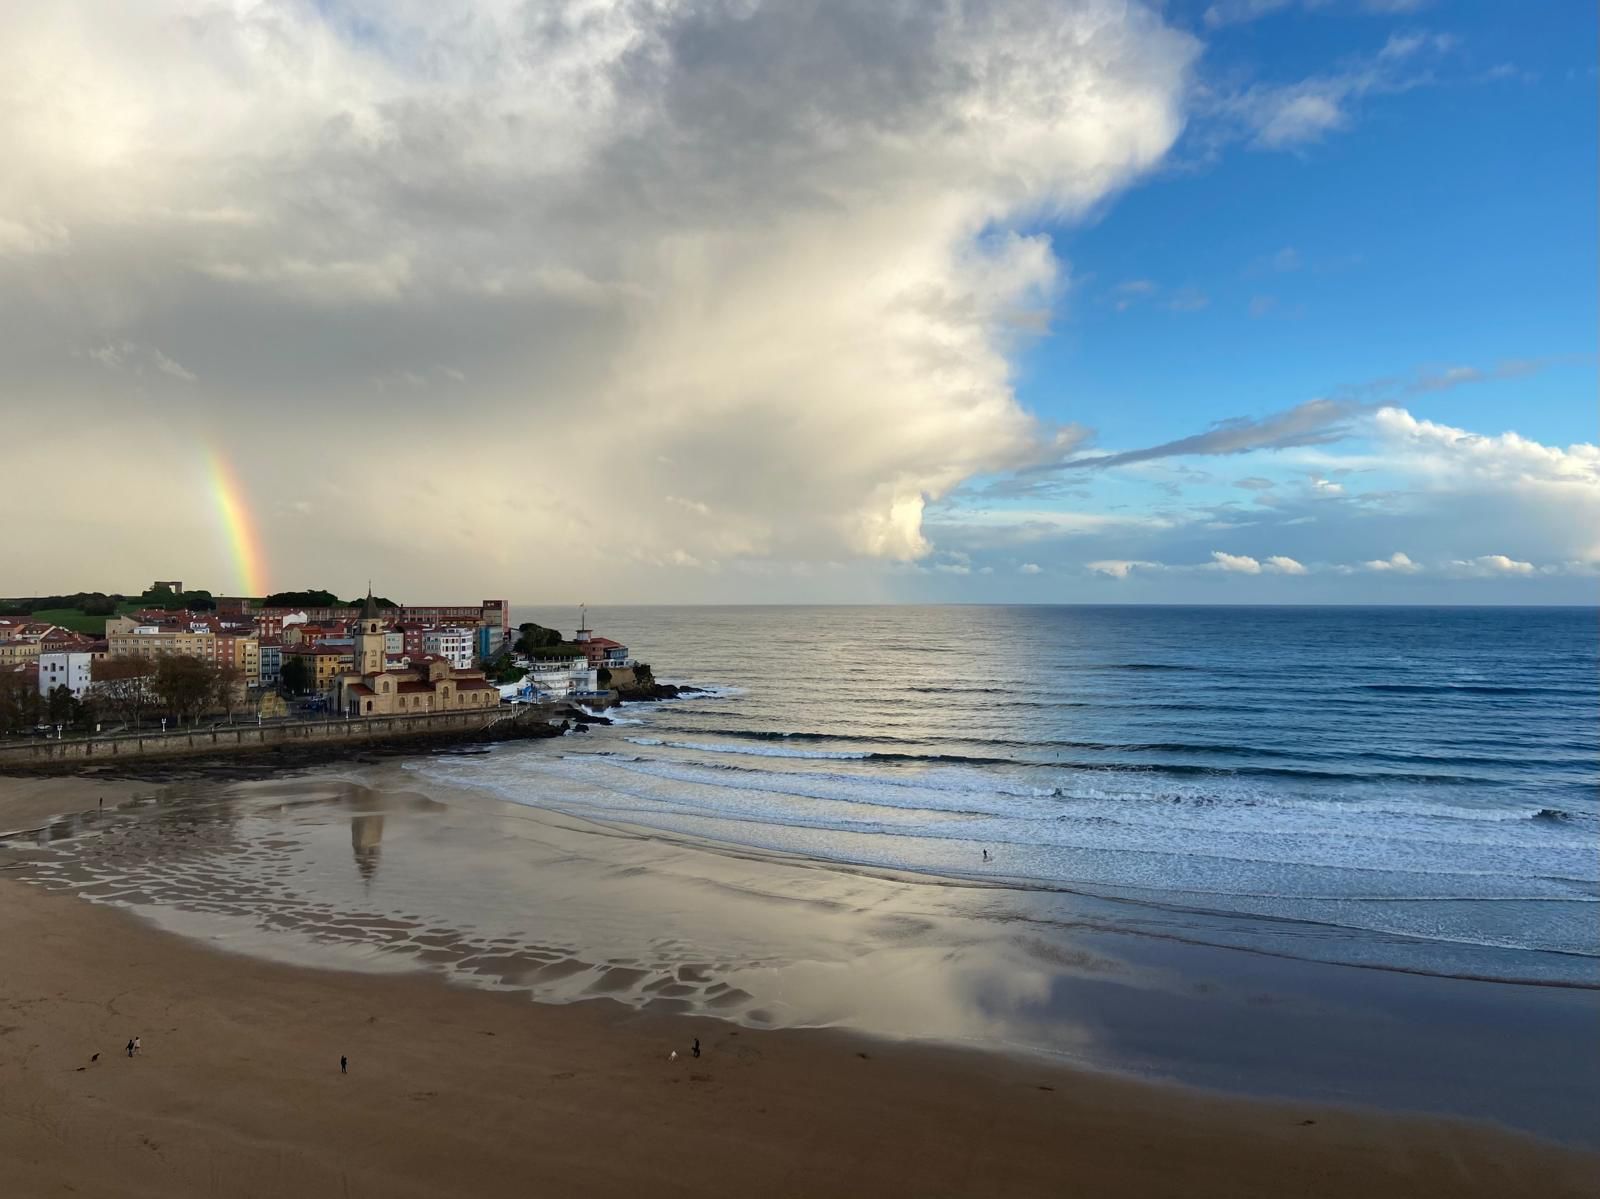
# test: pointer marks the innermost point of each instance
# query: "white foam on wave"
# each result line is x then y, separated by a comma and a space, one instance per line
1241, 857
1132, 799
755, 751
1249, 862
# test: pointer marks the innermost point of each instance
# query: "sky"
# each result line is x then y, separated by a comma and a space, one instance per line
634, 301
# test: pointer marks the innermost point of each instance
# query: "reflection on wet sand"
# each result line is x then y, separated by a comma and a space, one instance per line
555, 907
366, 837
516, 898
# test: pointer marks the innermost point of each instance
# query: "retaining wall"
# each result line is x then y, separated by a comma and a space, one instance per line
243, 738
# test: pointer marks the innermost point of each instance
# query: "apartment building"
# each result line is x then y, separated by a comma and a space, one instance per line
457, 646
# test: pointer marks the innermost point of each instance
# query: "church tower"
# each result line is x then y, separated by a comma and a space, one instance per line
369, 655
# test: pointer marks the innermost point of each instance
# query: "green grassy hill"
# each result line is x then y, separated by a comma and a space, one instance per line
75, 619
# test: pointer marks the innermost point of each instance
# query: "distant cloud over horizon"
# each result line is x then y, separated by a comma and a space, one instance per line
703, 301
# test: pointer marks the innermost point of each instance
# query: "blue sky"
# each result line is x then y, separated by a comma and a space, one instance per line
1449, 223
1443, 220
1278, 301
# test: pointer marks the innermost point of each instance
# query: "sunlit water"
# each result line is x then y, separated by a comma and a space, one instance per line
1418, 784
803, 845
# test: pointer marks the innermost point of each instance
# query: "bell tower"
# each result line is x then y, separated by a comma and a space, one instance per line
369, 639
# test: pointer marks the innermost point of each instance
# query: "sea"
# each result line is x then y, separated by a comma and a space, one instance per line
1406, 788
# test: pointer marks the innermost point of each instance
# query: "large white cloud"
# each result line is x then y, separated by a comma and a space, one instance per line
481, 286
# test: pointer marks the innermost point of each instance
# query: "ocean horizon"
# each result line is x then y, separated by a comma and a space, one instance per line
1418, 783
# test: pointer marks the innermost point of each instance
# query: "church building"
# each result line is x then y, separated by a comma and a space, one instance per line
427, 684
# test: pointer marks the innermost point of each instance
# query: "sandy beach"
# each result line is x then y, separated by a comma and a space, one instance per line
457, 1090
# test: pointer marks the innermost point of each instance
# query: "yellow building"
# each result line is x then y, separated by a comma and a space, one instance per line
130, 637
21, 641
372, 688
245, 654
325, 664
16, 653
194, 636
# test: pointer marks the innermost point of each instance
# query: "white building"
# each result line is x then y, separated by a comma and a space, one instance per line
394, 643
560, 677
456, 646
73, 669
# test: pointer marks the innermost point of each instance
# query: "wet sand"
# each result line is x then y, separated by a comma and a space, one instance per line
460, 1090
30, 803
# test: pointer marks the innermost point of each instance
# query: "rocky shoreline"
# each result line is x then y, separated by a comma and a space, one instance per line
649, 692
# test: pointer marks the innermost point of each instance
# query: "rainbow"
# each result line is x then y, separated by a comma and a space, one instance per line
238, 526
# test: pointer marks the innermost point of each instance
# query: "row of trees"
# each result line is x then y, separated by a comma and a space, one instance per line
161, 596
128, 690
536, 641
94, 603
320, 599
98, 603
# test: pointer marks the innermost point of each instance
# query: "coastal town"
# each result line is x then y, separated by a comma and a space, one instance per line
170, 657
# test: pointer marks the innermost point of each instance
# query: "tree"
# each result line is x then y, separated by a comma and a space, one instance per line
123, 687
229, 682
19, 702
538, 642
86, 711
301, 599
295, 677
185, 685
500, 669
92, 603
60, 704
161, 596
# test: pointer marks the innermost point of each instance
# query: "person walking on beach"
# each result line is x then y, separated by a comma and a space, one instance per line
130, 1046
696, 1049
138, 1045
344, 1064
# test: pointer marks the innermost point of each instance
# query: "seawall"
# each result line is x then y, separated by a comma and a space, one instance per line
285, 737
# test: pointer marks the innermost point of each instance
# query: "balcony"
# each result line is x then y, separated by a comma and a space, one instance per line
559, 666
